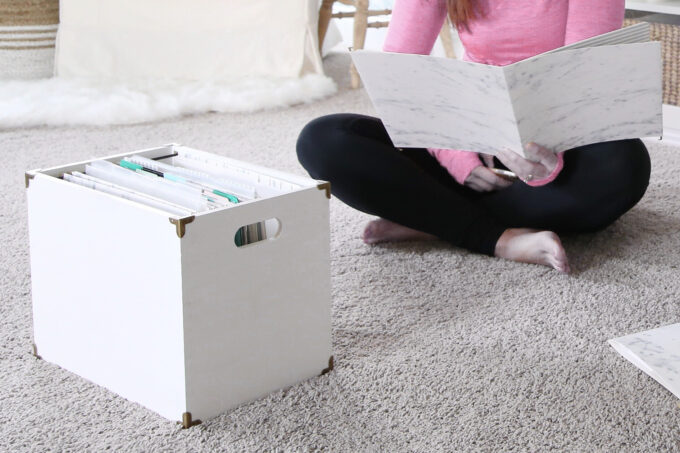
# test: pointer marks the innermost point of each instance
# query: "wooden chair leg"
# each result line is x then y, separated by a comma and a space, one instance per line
447, 41
360, 26
324, 19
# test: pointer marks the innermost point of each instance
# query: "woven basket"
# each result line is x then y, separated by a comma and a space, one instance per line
669, 36
28, 29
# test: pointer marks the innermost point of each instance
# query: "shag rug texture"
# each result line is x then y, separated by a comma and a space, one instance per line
78, 101
436, 349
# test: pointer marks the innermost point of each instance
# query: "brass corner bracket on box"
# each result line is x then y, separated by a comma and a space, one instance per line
187, 422
27, 178
327, 187
180, 224
35, 352
331, 365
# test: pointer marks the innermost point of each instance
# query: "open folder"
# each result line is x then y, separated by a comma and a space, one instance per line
603, 88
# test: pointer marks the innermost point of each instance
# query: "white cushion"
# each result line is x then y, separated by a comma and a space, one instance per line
188, 39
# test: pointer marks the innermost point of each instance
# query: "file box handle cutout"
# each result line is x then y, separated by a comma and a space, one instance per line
257, 232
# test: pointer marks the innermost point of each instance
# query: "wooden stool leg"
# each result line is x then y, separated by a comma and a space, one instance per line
360, 26
447, 41
324, 19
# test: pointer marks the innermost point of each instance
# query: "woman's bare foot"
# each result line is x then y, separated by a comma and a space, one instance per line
382, 230
532, 246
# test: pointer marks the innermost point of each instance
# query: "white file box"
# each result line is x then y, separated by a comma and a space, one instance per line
167, 311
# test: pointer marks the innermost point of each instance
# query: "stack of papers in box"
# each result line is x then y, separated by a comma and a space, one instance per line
656, 352
183, 183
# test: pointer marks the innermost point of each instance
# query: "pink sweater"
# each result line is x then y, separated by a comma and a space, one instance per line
507, 31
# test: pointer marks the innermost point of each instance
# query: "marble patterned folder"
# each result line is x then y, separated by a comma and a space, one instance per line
656, 352
603, 88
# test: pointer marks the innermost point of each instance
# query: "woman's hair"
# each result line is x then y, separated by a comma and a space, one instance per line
461, 11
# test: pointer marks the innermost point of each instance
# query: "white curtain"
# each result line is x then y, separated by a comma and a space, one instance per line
188, 39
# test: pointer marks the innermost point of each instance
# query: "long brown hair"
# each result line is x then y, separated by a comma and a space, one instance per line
461, 11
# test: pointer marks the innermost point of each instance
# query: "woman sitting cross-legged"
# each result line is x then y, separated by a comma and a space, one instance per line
423, 193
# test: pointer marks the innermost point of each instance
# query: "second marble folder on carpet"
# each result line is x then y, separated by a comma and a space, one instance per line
603, 88
656, 352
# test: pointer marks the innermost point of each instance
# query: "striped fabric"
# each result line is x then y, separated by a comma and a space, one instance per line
28, 30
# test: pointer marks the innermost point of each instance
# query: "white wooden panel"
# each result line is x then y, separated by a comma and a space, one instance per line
257, 317
107, 292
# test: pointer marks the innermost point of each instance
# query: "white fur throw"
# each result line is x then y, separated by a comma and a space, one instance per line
61, 101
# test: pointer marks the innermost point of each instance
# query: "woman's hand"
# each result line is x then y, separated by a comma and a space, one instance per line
539, 163
482, 179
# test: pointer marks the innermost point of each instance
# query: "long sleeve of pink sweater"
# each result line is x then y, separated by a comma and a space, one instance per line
504, 32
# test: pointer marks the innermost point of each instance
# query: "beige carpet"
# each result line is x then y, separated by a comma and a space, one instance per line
436, 349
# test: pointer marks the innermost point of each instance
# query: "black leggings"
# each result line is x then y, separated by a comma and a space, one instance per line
598, 183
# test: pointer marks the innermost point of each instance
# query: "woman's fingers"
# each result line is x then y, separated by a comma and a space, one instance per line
478, 184
493, 179
475, 182
523, 168
542, 155
538, 164
482, 179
